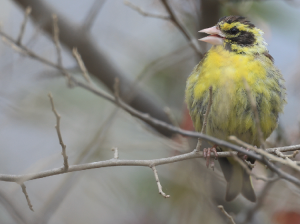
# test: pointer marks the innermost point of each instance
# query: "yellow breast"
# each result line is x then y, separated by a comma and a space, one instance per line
231, 112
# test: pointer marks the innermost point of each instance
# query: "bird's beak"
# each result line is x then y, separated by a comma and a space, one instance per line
216, 37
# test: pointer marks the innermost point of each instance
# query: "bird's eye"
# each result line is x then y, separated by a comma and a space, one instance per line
234, 30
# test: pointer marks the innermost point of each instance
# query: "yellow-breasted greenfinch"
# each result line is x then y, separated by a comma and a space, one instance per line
239, 54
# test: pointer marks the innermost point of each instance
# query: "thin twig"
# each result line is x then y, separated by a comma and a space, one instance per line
82, 66
225, 213
266, 154
158, 183
247, 169
22, 30
147, 14
256, 115
182, 29
58, 49
116, 153
92, 14
57, 127
26, 196
117, 90
203, 130
295, 153
56, 39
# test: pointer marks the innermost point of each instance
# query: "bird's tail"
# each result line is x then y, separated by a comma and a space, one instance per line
247, 188
235, 183
238, 181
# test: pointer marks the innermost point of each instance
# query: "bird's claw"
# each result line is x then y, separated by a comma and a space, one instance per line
243, 156
206, 155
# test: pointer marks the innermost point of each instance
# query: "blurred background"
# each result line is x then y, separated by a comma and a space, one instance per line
152, 58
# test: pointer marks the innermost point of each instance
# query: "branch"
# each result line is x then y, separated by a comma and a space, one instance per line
56, 39
57, 127
92, 14
94, 59
147, 14
158, 183
158, 124
81, 66
225, 213
182, 29
119, 162
22, 30
26, 196
155, 122
173, 19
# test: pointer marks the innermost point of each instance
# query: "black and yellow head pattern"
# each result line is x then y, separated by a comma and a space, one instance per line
241, 36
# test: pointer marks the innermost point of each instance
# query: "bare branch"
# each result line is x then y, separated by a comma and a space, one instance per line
92, 14
57, 127
142, 12
266, 154
158, 183
82, 66
56, 39
95, 60
225, 213
247, 169
182, 29
22, 30
117, 90
109, 163
26, 196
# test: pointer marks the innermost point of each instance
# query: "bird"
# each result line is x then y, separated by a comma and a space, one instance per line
238, 55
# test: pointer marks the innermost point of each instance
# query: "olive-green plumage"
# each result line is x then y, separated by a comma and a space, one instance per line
225, 67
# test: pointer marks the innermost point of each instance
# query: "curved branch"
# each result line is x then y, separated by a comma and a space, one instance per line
147, 163
71, 35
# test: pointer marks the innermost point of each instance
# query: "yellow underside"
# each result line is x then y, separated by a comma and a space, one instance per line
226, 71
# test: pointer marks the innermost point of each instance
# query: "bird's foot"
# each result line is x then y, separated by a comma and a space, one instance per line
206, 155
243, 156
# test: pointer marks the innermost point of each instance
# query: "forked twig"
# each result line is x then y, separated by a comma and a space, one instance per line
57, 127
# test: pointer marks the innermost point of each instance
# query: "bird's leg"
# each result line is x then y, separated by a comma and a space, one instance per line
243, 156
206, 155
250, 162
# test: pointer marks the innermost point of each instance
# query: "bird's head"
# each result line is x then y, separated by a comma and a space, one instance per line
236, 34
